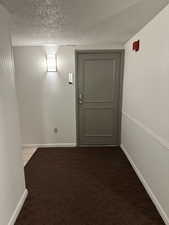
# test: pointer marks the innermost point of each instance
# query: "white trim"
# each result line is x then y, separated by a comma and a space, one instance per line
147, 187
18, 208
156, 137
49, 145
93, 146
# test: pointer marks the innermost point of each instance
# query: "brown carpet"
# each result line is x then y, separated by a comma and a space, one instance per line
85, 186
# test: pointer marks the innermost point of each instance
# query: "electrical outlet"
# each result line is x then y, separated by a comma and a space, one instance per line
55, 130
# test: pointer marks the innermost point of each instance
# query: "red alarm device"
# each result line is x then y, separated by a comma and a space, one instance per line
136, 46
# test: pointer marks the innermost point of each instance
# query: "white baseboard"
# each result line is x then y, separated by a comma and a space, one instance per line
18, 208
49, 145
147, 188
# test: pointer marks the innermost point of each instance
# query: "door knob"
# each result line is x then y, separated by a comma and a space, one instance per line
80, 98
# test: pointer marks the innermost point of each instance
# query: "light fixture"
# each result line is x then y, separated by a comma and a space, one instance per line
51, 63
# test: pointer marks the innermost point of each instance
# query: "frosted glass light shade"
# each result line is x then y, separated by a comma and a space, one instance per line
51, 63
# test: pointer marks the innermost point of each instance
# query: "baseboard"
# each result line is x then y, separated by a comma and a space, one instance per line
18, 208
49, 145
93, 146
147, 188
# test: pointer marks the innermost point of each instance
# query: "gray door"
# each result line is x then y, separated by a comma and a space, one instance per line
99, 80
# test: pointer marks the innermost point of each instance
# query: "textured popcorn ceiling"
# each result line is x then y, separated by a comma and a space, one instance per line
39, 22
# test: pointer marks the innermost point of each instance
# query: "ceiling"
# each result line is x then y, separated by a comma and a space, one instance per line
78, 22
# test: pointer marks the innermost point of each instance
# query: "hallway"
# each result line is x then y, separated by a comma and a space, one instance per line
84, 112
84, 186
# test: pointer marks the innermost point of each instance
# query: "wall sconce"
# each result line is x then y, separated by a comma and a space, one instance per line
51, 63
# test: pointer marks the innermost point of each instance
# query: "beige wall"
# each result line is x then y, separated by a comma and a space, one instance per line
47, 101
145, 126
12, 184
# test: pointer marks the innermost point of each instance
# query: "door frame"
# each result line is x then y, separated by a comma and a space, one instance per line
77, 53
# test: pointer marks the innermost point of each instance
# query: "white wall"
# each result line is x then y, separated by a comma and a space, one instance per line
145, 126
47, 101
12, 184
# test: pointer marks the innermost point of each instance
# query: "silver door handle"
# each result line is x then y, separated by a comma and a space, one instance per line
80, 98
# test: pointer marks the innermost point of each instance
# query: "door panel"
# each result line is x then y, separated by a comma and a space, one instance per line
101, 127
99, 76
93, 89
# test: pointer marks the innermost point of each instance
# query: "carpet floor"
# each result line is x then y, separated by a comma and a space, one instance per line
85, 186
